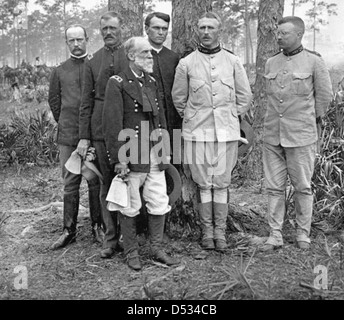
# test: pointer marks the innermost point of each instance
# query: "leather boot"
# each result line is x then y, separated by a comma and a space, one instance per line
206, 218
220, 219
70, 216
128, 230
304, 211
66, 238
156, 224
95, 210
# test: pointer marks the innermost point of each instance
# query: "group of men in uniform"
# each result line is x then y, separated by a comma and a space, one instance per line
132, 96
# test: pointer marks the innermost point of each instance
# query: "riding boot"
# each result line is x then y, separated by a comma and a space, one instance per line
70, 216
304, 211
220, 219
128, 230
206, 218
156, 224
95, 210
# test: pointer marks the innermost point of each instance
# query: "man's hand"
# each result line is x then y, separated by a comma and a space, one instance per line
121, 169
82, 147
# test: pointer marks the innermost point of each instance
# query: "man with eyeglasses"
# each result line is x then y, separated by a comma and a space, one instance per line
299, 91
64, 101
106, 62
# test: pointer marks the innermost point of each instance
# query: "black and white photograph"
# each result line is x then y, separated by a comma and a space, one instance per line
173, 155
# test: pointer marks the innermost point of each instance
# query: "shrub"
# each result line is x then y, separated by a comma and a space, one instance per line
29, 138
328, 184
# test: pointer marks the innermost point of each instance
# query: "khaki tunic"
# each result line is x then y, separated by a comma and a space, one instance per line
209, 92
299, 90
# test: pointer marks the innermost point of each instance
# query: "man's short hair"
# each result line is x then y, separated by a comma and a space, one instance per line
296, 21
159, 15
211, 15
110, 15
75, 26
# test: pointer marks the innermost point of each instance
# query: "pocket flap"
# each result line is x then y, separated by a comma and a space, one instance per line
196, 84
189, 114
270, 76
228, 82
301, 76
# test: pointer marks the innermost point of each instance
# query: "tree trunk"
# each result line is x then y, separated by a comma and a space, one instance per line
64, 27
294, 5
18, 47
132, 13
314, 24
14, 49
270, 11
185, 15
247, 37
250, 44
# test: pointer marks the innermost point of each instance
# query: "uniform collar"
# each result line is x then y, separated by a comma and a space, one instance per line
294, 52
136, 75
154, 50
107, 48
78, 57
209, 51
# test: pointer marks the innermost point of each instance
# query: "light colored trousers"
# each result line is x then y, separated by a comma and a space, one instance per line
211, 164
154, 191
298, 162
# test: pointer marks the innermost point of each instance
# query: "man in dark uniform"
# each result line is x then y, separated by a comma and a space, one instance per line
165, 63
106, 62
133, 118
64, 101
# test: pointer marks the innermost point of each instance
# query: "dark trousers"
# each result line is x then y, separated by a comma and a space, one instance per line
71, 192
109, 217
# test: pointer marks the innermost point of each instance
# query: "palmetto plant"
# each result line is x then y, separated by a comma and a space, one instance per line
30, 139
327, 182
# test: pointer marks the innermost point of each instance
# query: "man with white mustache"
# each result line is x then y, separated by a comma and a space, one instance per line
133, 117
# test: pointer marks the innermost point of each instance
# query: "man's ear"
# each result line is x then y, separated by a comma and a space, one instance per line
131, 56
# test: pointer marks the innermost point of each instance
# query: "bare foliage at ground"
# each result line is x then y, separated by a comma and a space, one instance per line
78, 272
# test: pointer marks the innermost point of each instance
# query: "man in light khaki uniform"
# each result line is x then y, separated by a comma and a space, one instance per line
299, 91
210, 91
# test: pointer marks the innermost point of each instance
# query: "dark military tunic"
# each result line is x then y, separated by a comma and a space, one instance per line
98, 69
124, 109
65, 97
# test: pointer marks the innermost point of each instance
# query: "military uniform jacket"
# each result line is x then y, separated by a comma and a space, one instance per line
209, 92
165, 63
126, 124
98, 69
299, 91
64, 99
